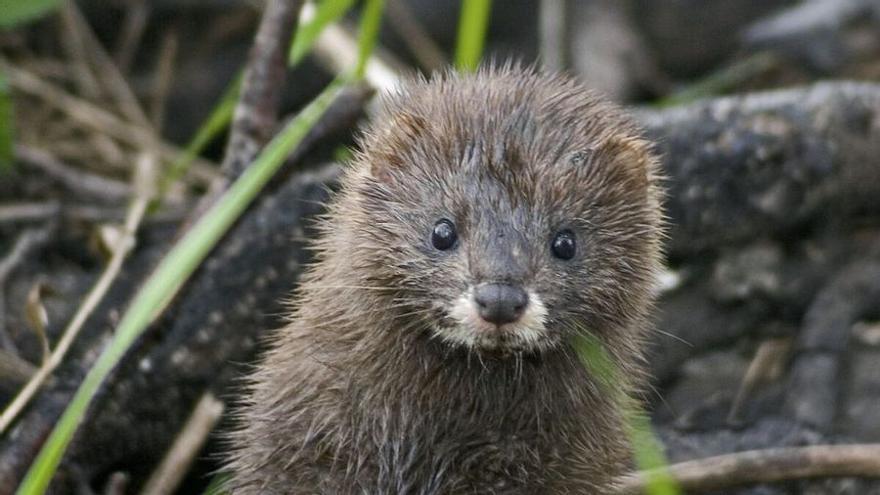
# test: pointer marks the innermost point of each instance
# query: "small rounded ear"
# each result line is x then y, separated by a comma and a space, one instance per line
392, 141
629, 156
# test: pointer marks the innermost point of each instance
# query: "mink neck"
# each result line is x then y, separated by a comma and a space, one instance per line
414, 369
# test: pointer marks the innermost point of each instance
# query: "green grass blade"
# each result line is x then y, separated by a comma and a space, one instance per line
371, 22
649, 456
328, 12
6, 126
217, 486
472, 26
172, 272
647, 449
15, 12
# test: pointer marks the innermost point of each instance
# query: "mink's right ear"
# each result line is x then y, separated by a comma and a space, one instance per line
629, 158
391, 143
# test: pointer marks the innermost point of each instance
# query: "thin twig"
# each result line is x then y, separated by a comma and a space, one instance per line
765, 466
554, 34
767, 365
419, 42
77, 53
143, 182
13, 369
28, 241
187, 445
80, 181
111, 77
162, 79
104, 151
90, 213
256, 112
28, 212
6, 341
48, 68
131, 33
117, 484
31, 212
110, 151
37, 316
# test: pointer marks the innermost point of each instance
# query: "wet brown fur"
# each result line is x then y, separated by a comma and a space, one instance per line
360, 393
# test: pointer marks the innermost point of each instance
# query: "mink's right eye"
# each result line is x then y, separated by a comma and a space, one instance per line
563, 245
443, 237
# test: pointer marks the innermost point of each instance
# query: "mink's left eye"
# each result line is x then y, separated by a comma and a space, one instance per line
563, 245
443, 236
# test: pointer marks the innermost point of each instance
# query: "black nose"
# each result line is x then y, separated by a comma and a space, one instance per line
500, 303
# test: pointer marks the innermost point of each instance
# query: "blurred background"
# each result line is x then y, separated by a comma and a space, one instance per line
767, 113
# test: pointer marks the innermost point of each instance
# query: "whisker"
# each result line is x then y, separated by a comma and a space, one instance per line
412, 313
480, 359
355, 287
674, 337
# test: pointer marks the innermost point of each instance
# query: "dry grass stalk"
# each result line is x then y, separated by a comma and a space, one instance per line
189, 441
765, 466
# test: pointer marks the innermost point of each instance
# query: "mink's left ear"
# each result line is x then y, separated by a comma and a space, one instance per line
396, 137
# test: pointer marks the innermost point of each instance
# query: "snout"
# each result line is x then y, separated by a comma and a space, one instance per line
500, 303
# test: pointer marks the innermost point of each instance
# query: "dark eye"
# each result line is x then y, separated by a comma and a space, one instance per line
443, 237
563, 245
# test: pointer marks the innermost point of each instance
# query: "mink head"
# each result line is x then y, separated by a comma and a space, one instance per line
503, 211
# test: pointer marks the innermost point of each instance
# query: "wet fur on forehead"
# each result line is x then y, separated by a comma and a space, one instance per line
518, 126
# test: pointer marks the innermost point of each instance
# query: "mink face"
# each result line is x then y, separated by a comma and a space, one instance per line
505, 217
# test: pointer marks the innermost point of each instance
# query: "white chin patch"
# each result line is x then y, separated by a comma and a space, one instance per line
527, 333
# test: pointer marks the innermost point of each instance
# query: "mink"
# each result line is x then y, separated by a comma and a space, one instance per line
486, 225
